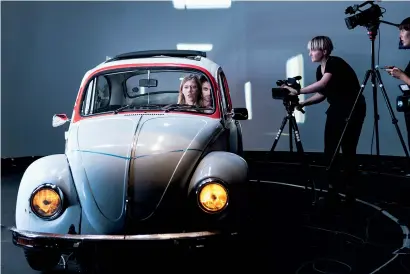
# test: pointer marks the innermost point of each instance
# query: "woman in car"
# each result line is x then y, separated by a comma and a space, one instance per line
206, 92
190, 91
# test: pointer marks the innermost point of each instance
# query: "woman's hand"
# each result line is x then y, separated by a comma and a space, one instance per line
395, 72
300, 106
292, 90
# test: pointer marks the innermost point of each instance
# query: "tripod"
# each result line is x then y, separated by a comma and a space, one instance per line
293, 128
375, 75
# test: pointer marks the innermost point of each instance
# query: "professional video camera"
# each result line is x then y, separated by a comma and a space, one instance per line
367, 18
403, 101
283, 93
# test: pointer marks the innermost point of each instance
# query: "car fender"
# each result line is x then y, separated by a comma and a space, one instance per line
226, 166
53, 169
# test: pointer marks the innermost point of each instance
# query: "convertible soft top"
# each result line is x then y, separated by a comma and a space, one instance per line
177, 57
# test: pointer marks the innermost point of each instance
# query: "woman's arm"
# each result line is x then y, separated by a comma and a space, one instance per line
399, 74
315, 87
315, 99
318, 86
405, 79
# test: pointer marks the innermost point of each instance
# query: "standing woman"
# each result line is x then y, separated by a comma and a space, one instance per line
404, 76
338, 83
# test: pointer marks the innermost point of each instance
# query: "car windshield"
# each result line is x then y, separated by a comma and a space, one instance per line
149, 89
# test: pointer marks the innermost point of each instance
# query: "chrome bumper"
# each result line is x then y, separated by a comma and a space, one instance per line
30, 239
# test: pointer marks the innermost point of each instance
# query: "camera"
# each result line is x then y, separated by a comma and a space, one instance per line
368, 17
403, 101
283, 93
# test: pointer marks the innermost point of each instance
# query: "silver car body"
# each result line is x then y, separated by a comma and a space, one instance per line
119, 165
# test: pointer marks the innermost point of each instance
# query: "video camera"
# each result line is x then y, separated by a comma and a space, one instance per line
283, 93
368, 18
403, 101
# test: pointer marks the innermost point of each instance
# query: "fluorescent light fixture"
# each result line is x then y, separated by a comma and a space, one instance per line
202, 4
199, 47
248, 99
294, 67
179, 4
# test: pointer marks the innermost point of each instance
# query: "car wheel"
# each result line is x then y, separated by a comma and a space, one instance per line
42, 260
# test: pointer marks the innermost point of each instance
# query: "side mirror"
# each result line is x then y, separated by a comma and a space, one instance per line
240, 114
60, 119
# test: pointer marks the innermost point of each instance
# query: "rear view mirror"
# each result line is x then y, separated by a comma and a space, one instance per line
240, 114
148, 83
60, 119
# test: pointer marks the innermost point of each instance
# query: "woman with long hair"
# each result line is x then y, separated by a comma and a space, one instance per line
190, 92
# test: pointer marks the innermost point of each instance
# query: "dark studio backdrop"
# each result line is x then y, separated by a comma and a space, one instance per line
48, 46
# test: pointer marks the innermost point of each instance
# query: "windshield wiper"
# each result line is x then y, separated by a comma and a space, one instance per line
183, 107
138, 107
122, 108
151, 106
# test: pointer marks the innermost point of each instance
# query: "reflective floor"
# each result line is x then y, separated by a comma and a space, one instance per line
286, 235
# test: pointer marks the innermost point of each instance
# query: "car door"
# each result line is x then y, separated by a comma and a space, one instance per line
231, 126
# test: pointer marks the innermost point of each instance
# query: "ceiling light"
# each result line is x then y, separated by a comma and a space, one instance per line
199, 47
202, 4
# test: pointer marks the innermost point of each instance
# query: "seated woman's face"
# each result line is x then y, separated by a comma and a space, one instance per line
190, 92
206, 93
206, 89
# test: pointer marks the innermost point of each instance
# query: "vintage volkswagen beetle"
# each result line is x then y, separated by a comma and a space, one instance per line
137, 165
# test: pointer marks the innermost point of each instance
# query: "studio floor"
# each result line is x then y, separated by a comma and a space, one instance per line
287, 233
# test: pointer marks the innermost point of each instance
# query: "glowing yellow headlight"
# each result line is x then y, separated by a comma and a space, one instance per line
46, 202
213, 197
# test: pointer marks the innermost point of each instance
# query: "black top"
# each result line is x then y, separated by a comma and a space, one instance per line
343, 87
407, 70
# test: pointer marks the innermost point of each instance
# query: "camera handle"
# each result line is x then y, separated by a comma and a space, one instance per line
293, 129
376, 80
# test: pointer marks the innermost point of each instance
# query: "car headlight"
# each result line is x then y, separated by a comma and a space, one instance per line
46, 201
213, 197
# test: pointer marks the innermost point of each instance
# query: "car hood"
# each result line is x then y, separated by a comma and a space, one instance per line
136, 158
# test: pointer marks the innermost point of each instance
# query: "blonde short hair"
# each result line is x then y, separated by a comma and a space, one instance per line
321, 43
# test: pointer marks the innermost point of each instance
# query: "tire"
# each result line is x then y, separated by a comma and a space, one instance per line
41, 260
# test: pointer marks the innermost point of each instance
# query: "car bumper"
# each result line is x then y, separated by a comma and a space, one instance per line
39, 240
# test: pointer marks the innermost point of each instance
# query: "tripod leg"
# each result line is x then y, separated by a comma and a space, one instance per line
305, 165
290, 138
285, 119
376, 117
393, 117
366, 78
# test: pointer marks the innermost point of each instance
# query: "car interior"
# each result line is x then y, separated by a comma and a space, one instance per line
109, 92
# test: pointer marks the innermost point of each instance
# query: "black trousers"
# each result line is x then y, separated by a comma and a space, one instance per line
407, 119
335, 124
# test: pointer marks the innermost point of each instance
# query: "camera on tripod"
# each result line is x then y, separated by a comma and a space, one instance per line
283, 93
367, 18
